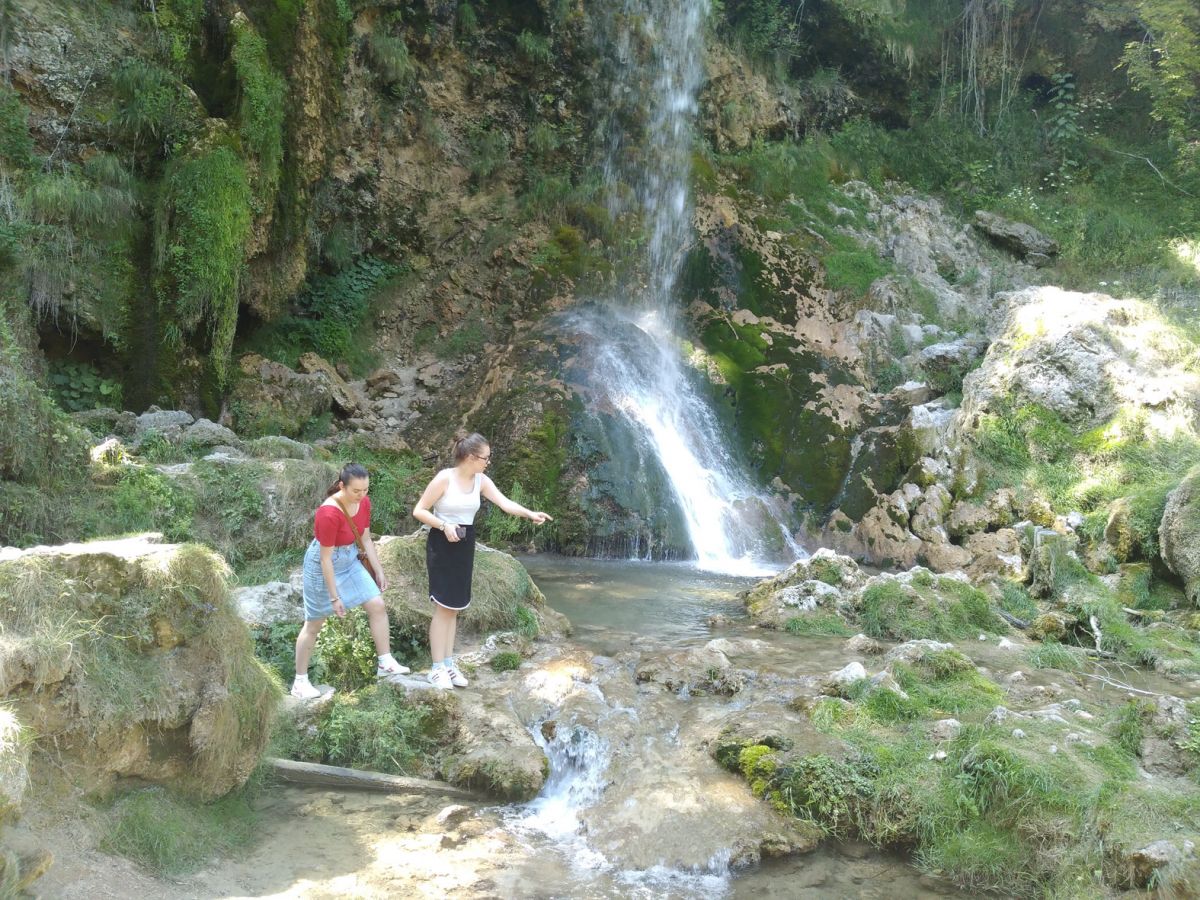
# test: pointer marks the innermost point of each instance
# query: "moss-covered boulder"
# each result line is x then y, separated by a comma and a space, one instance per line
130, 658
822, 584
1179, 534
503, 596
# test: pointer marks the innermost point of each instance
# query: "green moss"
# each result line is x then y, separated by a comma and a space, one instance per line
329, 316
851, 267
261, 108
945, 610
202, 224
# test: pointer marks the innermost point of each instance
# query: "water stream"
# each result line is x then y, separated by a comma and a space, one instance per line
637, 371
634, 806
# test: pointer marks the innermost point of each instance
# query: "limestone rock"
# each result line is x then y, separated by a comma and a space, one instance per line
838, 681
107, 421
819, 581
1053, 625
270, 398
270, 603
195, 718
1145, 863
167, 422
927, 520
867, 646
967, 517
203, 433
1179, 534
346, 398
1024, 241
501, 588
915, 651
995, 553
703, 670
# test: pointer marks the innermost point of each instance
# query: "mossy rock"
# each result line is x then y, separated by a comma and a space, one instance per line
884, 456
1179, 534
825, 582
503, 597
167, 689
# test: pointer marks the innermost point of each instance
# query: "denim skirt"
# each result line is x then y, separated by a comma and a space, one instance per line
355, 585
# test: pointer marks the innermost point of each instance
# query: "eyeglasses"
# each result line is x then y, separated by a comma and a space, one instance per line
487, 458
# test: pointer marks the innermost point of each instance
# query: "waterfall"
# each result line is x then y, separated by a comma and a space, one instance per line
635, 342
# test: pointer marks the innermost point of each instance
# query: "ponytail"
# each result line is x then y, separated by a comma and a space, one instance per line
465, 444
349, 473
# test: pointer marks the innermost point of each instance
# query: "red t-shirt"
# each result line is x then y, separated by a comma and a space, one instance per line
331, 529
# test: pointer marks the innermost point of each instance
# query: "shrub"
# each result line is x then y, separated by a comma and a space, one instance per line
505, 662
379, 729
534, 48
489, 152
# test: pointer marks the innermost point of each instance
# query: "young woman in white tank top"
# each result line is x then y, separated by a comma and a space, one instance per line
448, 507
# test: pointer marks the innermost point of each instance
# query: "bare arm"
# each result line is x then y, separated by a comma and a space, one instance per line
423, 511
373, 558
330, 582
488, 488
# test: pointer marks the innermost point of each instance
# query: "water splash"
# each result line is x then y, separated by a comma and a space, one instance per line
635, 341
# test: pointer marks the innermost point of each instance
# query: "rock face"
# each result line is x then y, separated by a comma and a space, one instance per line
1179, 534
270, 398
129, 655
1024, 241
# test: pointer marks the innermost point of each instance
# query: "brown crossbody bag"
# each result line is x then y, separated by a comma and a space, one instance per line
362, 551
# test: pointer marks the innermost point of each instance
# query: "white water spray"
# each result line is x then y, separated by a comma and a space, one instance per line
638, 366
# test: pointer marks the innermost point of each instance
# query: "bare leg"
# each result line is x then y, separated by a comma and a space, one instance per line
305, 641
452, 633
441, 632
377, 621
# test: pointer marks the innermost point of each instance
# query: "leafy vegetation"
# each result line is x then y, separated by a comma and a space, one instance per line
328, 318
203, 221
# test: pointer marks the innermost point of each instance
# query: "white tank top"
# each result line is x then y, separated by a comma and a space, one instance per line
455, 506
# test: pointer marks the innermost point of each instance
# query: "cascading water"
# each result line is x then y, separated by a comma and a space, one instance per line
634, 341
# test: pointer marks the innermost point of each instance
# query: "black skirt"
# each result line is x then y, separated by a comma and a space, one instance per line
450, 566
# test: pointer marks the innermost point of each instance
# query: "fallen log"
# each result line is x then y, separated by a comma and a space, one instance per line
357, 779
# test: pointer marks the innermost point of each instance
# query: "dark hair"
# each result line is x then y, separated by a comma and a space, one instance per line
465, 445
349, 473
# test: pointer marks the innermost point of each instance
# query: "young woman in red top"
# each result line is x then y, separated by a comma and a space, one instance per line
335, 580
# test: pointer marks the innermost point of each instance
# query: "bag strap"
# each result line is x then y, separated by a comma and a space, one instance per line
354, 528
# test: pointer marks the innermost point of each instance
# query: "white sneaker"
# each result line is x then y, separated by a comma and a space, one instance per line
304, 690
440, 678
457, 678
394, 669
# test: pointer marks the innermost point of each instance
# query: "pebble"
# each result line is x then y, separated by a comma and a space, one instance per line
938, 755
1053, 748
1018, 733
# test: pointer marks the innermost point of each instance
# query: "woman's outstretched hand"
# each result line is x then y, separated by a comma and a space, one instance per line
539, 518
